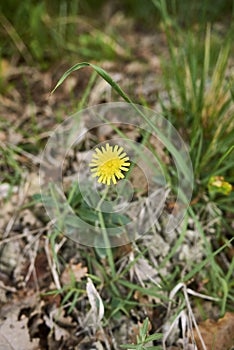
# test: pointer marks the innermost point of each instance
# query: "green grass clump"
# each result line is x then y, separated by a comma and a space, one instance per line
143, 339
194, 79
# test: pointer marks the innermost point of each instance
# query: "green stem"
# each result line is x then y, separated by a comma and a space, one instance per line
102, 199
105, 235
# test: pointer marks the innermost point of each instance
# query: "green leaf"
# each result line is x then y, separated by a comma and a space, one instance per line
44, 199
100, 246
88, 214
145, 291
128, 346
144, 328
74, 221
37, 197
100, 71
119, 219
153, 337
74, 301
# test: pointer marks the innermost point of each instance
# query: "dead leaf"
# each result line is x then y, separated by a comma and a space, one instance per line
139, 181
58, 332
217, 335
4, 344
77, 270
14, 333
97, 307
42, 271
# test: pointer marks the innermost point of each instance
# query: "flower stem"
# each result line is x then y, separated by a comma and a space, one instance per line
105, 235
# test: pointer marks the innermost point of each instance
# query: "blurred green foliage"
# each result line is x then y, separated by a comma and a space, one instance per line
36, 30
43, 32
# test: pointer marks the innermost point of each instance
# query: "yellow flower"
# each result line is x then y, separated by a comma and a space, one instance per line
217, 184
108, 164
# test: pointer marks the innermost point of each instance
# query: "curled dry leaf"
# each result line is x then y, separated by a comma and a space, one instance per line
217, 335
97, 307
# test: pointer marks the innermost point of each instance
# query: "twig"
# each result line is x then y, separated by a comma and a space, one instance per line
22, 196
26, 234
185, 319
31, 270
52, 265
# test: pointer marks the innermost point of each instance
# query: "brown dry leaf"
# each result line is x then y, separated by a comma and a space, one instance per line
139, 181
42, 271
14, 333
57, 331
61, 329
217, 335
123, 250
77, 270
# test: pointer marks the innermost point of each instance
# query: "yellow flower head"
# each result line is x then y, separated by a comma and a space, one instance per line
108, 164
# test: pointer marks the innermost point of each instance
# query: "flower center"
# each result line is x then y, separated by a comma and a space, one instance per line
110, 167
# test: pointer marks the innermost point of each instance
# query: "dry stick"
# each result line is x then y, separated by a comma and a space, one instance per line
33, 255
51, 262
193, 319
22, 196
7, 288
183, 326
31, 270
26, 234
52, 265
105, 338
35, 159
166, 335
